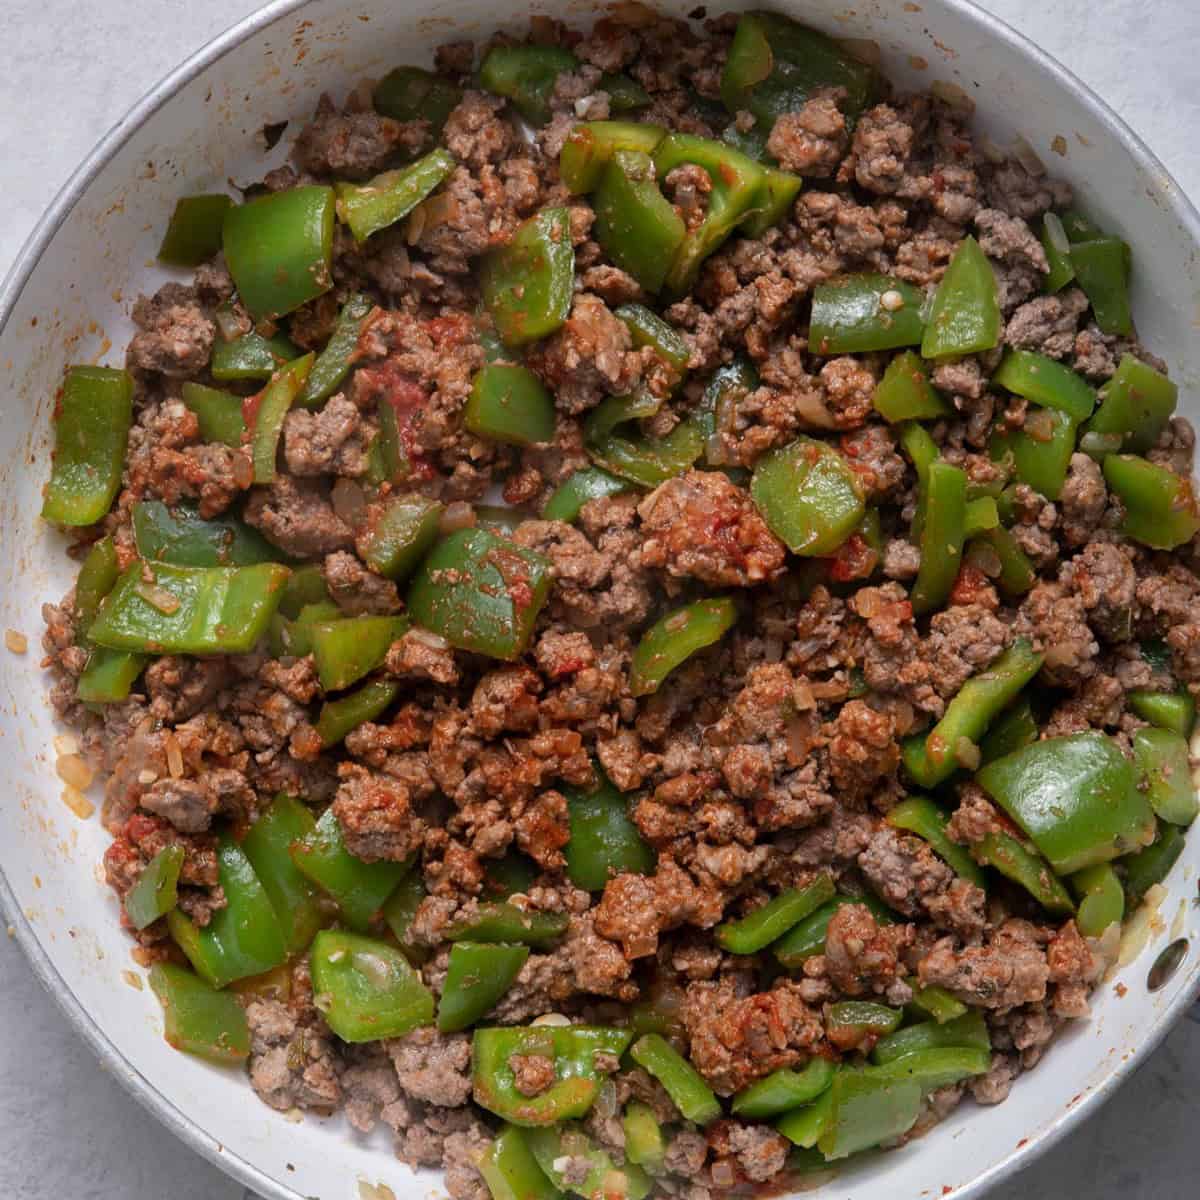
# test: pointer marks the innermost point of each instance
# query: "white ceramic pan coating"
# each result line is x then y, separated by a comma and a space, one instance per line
67, 300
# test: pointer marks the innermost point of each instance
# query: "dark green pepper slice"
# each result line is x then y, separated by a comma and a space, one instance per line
305, 586
1137, 402
509, 404
1102, 270
411, 94
295, 637
782, 188
180, 536
1016, 574
943, 505
1040, 452
100, 571
1101, 899
644, 460
683, 1083
198, 1019
369, 207
1153, 864
527, 284
919, 815
784, 1090
333, 364
588, 483
808, 937
1160, 506
858, 313
624, 94
967, 1031
219, 414
1058, 254
589, 148
1165, 774
1047, 383
250, 356
400, 908
510, 1170
479, 973
194, 232
1014, 728
400, 534
1166, 710
604, 841
905, 393
347, 712
155, 893
350, 648
270, 408
672, 640
767, 924
1024, 866
504, 922
526, 75
964, 316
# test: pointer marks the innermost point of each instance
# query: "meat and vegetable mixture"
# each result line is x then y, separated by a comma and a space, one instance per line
772, 770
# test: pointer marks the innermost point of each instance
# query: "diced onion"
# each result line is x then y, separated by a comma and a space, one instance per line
64, 743
458, 514
18, 643
74, 771
952, 96
158, 597
555, 1020
174, 755
78, 803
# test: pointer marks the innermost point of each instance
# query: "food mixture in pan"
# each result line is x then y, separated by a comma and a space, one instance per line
638, 614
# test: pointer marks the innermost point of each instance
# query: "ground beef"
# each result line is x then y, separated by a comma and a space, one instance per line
433, 1067
174, 333
357, 590
1047, 324
812, 140
862, 957
292, 1062
903, 870
331, 441
1009, 969
354, 144
297, 517
376, 817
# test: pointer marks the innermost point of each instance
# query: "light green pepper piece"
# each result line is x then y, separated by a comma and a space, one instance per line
672, 640
964, 316
767, 924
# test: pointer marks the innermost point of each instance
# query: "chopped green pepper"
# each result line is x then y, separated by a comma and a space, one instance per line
1153, 864
180, 536
1058, 254
400, 534
919, 815
645, 1145
365, 989
400, 908
554, 1148
219, 414
767, 924
850, 1021
858, 313
480, 592
943, 506
647, 461
295, 637
1046, 382
808, 937
411, 94
243, 938
1136, 403
868, 1107
270, 408
1014, 728
647, 328
97, 576
1165, 774
1078, 227
267, 844
155, 892
1075, 798
573, 1049
938, 1003
588, 483
279, 249
683, 1083
672, 640
345, 650
784, 1090
509, 404
1166, 710
808, 495
1024, 866
369, 207
1102, 270
333, 364
1101, 899
964, 316
905, 393
1160, 506
1016, 574
347, 712
91, 424
526, 75
1040, 452
479, 973
109, 675
781, 190
250, 356
510, 1170
979, 516
803, 1126
305, 586
194, 231
624, 94
967, 1031
590, 147
360, 888
604, 841
501, 921
527, 284
198, 1019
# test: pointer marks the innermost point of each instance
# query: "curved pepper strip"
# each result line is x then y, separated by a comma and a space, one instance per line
504, 922
197, 1018
584, 485
650, 461
218, 413
647, 328
808, 937
369, 207
1024, 866
964, 316
1160, 506
683, 1083
1058, 254
849, 1022
347, 712
333, 364
767, 924
510, 1170
1161, 759
1175, 711
156, 892
1101, 899
943, 506
527, 284
269, 408
109, 674
932, 759
780, 192
399, 909
193, 233
673, 639
478, 974
860, 313
604, 841
590, 147
182, 537
1014, 728
526, 75
919, 815
784, 1090
573, 1049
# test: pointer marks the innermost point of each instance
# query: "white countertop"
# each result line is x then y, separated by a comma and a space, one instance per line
66, 1128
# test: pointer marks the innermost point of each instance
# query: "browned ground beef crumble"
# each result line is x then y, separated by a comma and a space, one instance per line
751, 770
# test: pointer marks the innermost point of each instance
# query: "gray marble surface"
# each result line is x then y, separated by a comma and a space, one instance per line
66, 1128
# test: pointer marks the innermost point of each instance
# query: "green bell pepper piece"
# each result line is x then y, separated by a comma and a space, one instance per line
198, 1019
979, 516
1074, 797
510, 1170
784, 1090
931, 759
526, 75
218, 413
964, 316
295, 637
1101, 899
369, 207
727, 387
333, 364
109, 676
588, 483
189, 610
267, 844
305, 586
1024, 866
808, 937
647, 328
862, 1017
672, 640
683, 1083
577, 1080
905, 393
279, 249
919, 815
624, 94
479, 973
767, 924
604, 841
1040, 461
804, 1126
775, 65
638, 228
943, 505
645, 1145
243, 938
738, 189
100, 571
411, 94
504, 922
400, 534
590, 147
867, 1107
1017, 575
1014, 728
967, 1031
194, 231
250, 356
509, 404
858, 313
180, 536
1160, 758
270, 408
366, 990
155, 893
648, 461
938, 1067
481, 592
348, 649
527, 284
1047, 383
347, 712
1160, 506
400, 908
1153, 864
937, 1003
1175, 711
1058, 254
552, 1148
1102, 270
1136, 403
91, 423
808, 495
360, 888
782, 188
504, 877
